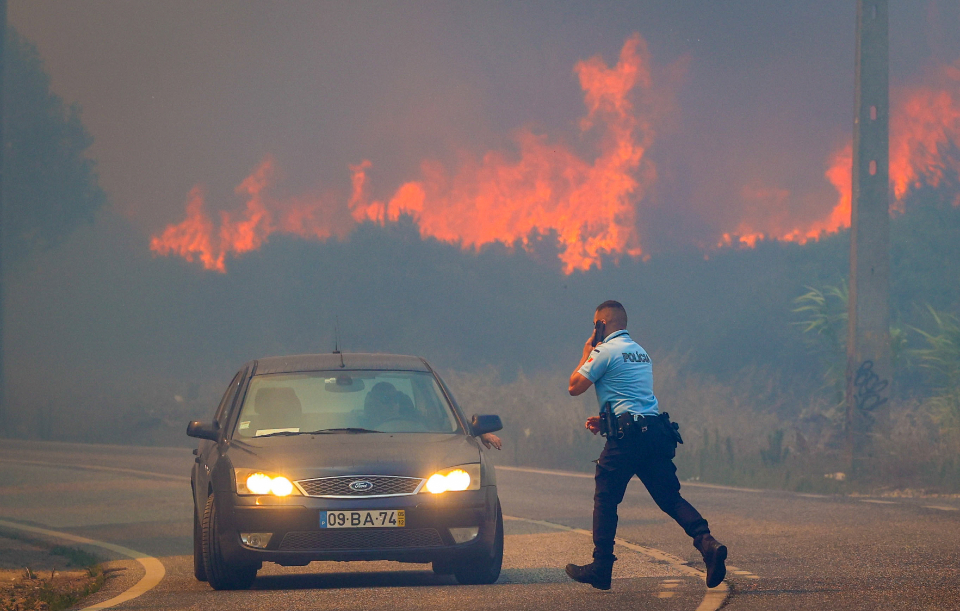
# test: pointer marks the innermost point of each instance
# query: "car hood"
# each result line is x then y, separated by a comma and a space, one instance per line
307, 456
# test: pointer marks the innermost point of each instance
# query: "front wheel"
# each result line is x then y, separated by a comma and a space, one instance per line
220, 574
485, 569
198, 570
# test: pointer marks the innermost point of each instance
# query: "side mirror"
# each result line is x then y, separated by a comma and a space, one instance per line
203, 430
485, 424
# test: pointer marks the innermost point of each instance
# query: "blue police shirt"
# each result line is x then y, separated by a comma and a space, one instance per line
622, 373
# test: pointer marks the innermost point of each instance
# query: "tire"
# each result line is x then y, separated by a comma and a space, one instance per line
486, 569
198, 569
220, 574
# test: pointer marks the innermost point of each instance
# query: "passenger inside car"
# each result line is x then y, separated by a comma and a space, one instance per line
385, 404
276, 409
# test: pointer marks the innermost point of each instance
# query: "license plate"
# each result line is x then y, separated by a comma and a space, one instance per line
378, 518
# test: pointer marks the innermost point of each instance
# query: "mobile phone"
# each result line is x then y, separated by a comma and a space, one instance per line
598, 332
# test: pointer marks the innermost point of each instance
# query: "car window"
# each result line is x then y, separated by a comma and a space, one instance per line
383, 401
227, 400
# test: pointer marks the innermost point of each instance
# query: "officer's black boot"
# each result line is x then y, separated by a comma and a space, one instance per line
714, 556
597, 573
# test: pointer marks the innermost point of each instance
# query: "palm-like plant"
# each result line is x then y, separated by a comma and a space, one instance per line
826, 314
825, 317
942, 358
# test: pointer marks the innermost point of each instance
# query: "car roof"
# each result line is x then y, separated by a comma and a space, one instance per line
329, 362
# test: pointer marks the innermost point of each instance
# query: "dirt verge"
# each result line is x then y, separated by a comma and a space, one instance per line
37, 575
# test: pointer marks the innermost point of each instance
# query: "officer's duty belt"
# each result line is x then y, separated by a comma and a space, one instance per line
628, 420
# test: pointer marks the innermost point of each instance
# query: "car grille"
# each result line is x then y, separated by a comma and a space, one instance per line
343, 539
340, 486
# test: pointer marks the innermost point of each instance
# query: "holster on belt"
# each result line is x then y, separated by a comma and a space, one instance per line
609, 425
672, 427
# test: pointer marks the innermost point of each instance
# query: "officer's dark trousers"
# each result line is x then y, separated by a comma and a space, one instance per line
649, 456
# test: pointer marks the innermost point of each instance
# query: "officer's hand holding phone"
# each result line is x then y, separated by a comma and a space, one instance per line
599, 331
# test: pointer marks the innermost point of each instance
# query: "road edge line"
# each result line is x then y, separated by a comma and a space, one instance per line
712, 600
153, 568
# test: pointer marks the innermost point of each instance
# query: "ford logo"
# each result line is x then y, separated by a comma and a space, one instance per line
360, 486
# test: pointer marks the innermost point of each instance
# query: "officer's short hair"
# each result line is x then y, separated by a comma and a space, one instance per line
618, 314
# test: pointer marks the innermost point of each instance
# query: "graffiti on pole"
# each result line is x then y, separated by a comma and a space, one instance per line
867, 387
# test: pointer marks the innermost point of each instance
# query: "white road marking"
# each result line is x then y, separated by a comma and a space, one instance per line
712, 600
153, 568
941, 507
878, 502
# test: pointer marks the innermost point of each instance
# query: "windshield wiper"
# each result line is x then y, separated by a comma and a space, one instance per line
349, 429
277, 434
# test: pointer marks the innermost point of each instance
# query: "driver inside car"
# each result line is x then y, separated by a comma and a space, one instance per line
385, 403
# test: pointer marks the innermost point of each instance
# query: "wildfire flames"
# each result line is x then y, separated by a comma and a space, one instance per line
545, 188
196, 238
924, 142
590, 205
925, 132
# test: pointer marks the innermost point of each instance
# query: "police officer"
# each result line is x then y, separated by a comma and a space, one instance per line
642, 443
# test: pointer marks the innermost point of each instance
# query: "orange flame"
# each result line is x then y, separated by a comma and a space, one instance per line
544, 188
925, 132
591, 206
192, 237
195, 236
924, 143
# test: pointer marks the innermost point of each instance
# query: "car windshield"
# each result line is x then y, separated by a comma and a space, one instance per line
345, 402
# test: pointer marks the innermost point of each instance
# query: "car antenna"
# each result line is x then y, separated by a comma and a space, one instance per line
336, 344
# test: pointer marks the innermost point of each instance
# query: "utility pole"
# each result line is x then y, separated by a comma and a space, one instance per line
868, 335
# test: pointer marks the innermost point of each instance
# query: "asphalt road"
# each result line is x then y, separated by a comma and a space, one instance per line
789, 551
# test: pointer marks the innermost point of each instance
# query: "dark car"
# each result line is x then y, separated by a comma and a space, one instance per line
343, 457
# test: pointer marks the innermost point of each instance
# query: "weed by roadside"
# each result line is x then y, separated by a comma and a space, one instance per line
47, 577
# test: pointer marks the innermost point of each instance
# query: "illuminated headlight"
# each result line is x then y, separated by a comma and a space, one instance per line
253, 481
462, 477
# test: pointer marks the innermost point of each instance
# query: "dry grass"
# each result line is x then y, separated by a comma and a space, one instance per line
38, 576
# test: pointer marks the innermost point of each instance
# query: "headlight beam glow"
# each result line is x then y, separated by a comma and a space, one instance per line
250, 481
464, 477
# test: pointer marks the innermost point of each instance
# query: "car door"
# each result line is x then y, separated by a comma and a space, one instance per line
207, 452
